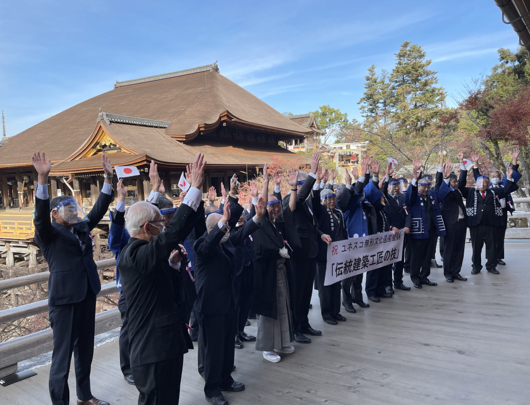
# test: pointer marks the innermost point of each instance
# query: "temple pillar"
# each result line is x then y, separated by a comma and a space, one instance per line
94, 192
146, 184
77, 191
140, 189
53, 187
5, 191
20, 190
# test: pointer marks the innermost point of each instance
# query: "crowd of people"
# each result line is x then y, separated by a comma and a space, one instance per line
199, 272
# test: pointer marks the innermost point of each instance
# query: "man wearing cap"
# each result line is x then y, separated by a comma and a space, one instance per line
425, 223
397, 213
484, 213
74, 282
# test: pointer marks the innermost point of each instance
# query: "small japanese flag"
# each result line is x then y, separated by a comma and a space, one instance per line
467, 163
126, 171
393, 161
184, 185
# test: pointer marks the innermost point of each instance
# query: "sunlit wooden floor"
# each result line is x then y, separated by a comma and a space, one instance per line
461, 343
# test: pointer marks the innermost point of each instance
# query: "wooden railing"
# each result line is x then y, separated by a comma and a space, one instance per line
23, 348
16, 229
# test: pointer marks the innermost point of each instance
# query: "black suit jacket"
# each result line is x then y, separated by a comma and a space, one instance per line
395, 208
304, 221
154, 293
71, 267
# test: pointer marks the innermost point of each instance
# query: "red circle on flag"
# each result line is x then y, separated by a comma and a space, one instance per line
127, 171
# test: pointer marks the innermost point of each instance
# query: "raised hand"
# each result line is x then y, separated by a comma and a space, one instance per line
447, 168
211, 195
416, 164
122, 191
226, 212
277, 178
333, 175
347, 177
197, 174
265, 173
107, 168
509, 172
461, 157
355, 172
234, 185
162, 189
375, 166
293, 178
515, 155
389, 169
223, 192
261, 207
154, 177
441, 158
319, 174
364, 165
253, 189
475, 157
395, 175
42, 166
315, 160
325, 176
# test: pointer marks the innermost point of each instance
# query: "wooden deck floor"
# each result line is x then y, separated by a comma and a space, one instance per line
461, 343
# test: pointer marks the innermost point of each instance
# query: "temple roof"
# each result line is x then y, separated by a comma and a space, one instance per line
307, 121
178, 106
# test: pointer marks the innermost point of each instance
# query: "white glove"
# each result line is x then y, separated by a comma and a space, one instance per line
284, 253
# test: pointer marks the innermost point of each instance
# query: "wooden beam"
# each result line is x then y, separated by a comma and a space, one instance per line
53, 187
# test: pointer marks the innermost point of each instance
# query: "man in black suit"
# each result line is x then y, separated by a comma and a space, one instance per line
152, 282
454, 216
215, 304
396, 213
303, 265
74, 282
484, 212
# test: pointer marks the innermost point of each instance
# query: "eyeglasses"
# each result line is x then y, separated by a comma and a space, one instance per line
153, 222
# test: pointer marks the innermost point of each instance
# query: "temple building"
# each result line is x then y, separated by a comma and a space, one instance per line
312, 141
168, 118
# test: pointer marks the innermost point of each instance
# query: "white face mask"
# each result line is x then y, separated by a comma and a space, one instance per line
495, 181
225, 238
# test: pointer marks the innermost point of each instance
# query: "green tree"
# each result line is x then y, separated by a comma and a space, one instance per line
330, 120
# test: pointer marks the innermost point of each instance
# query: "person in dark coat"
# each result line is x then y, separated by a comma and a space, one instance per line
303, 265
425, 223
273, 243
151, 277
215, 304
330, 222
74, 282
484, 212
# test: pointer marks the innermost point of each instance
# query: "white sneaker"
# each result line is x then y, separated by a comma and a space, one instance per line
285, 350
272, 357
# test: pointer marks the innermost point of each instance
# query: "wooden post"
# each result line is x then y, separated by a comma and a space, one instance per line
147, 185
140, 190
20, 191
94, 192
32, 257
53, 187
5, 191
77, 191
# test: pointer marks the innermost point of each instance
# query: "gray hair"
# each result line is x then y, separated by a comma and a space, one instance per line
212, 220
302, 176
138, 214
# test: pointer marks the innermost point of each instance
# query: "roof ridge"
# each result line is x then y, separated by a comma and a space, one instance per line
309, 114
124, 119
212, 68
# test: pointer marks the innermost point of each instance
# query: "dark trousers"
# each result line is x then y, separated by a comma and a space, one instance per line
377, 280
73, 331
454, 245
125, 361
499, 235
194, 325
398, 269
190, 296
442, 246
329, 295
420, 259
303, 269
433, 249
216, 351
479, 235
159, 383
407, 254
244, 286
352, 290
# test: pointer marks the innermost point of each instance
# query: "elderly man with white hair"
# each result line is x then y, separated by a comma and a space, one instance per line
153, 287
215, 304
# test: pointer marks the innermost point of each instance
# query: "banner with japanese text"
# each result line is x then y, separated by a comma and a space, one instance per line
347, 258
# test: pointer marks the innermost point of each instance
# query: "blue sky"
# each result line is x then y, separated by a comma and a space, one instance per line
294, 55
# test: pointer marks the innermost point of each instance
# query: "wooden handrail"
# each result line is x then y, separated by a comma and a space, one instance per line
43, 277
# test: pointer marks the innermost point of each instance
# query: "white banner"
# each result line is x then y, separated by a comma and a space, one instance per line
347, 258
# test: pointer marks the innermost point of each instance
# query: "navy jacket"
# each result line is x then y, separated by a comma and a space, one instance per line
417, 220
72, 269
395, 209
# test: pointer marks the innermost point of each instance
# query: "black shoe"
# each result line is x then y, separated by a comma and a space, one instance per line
493, 271
386, 295
475, 271
460, 278
310, 331
501, 262
300, 338
234, 368
235, 387
331, 321
429, 282
406, 271
417, 285
339, 317
402, 287
390, 290
310, 306
246, 337
247, 323
129, 378
435, 264
362, 304
219, 400
349, 308
239, 343
374, 298
449, 280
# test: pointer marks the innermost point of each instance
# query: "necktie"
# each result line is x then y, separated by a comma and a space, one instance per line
483, 195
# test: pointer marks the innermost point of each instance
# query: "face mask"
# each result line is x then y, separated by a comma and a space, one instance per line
159, 230
495, 181
225, 238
